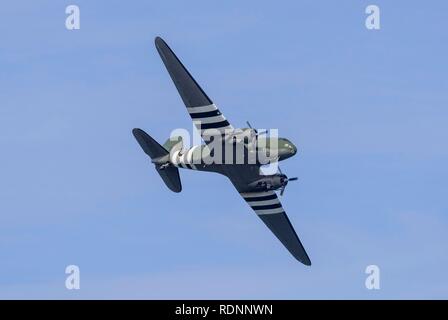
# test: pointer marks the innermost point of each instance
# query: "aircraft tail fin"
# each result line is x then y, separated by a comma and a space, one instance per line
160, 156
173, 143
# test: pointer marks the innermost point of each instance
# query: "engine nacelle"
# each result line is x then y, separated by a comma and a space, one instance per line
271, 182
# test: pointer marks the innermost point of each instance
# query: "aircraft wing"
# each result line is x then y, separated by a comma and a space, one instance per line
268, 207
204, 113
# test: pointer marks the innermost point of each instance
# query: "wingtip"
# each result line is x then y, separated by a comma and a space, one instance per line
159, 41
136, 131
305, 260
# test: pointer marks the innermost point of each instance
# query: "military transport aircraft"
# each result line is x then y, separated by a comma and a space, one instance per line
256, 188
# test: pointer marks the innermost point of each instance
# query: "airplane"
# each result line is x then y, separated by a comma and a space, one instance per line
256, 188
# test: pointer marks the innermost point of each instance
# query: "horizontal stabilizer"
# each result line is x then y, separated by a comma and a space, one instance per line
170, 176
160, 157
150, 146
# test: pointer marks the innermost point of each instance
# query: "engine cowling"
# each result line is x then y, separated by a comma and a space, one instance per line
271, 182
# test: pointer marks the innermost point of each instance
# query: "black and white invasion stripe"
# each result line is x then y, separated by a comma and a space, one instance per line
208, 117
184, 160
262, 203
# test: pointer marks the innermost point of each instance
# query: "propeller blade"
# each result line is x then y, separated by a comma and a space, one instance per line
248, 124
256, 131
285, 183
282, 190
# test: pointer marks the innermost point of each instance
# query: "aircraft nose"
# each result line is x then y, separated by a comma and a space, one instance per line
291, 148
287, 149
294, 149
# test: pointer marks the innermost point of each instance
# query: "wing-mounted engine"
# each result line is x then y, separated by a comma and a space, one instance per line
247, 136
272, 182
243, 135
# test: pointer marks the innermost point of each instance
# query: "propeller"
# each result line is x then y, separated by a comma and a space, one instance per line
285, 181
256, 131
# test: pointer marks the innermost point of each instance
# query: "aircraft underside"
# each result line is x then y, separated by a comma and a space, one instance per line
234, 153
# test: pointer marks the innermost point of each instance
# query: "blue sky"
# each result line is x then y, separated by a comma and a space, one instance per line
367, 110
